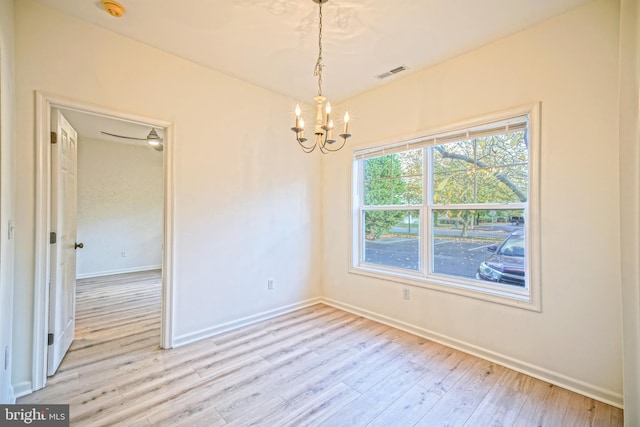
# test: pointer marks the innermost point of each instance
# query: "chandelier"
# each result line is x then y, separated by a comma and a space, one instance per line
324, 126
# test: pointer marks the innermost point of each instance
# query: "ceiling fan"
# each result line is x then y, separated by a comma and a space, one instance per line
153, 139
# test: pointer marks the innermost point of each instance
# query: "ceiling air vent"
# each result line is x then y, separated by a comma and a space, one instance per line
392, 72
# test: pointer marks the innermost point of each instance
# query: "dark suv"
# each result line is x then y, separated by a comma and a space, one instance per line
516, 220
506, 265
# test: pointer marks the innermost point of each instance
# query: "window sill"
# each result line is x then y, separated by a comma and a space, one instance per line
490, 293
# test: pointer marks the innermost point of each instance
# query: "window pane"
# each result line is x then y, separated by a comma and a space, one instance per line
481, 244
484, 170
393, 179
392, 238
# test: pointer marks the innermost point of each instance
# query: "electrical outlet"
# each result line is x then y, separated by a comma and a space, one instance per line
124, 254
270, 284
406, 294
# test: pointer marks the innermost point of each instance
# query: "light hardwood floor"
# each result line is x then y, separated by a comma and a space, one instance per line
315, 366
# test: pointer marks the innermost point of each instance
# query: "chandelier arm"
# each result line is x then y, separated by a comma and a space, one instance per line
323, 142
344, 137
306, 148
323, 147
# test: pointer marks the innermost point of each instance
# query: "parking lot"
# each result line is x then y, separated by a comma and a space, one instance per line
452, 256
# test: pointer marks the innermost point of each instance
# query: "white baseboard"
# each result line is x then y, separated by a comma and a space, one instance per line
607, 396
11, 396
245, 321
119, 271
22, 389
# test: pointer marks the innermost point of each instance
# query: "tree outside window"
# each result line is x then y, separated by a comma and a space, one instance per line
440, 207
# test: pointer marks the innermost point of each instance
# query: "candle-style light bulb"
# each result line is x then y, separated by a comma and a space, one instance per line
297, 111
328, 112
346, 122
330, 131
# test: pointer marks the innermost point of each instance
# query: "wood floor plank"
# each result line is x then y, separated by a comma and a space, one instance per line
315, 411
408, 409
373, 373
503, 403
260, 395
369, 405
617, 418
315, 366
579, 411
545, 405
269, 409
145, 395
188, 416
457, 405
235, 402
326, 379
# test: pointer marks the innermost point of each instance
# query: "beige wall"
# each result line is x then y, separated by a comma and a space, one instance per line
630, 204
246, 199
248, 203
570, 65
6, 194
120, 208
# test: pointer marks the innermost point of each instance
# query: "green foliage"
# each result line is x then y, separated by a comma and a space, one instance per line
393, 179
377, 223
491, 169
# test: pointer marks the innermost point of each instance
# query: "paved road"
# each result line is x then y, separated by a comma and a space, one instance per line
452, 257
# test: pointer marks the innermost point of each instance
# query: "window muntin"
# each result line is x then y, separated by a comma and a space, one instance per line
470, 190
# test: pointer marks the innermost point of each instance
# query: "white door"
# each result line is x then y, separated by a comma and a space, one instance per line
64, 204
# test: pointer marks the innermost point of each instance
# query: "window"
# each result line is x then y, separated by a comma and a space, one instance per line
453, 210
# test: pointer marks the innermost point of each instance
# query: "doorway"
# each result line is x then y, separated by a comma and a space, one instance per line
45, 104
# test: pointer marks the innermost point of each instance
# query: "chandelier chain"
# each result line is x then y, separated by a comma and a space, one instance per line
324, 134
319, 65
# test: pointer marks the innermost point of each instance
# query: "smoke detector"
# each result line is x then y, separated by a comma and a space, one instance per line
113, 8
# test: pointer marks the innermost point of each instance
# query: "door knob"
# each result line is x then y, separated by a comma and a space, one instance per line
79, 245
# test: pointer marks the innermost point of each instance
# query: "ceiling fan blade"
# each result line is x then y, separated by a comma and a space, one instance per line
122, 136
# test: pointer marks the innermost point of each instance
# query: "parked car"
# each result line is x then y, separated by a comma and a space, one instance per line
516, 220
506, 264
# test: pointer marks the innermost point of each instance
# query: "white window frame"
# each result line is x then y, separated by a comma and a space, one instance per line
527, 298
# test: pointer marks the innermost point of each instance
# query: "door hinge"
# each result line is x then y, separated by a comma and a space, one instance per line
54, 138
52, 237
50, 339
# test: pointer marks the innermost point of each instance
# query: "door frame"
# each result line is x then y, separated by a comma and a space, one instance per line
44, 103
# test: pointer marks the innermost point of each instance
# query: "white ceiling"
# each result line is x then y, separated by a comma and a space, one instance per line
90, 125
274, 43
